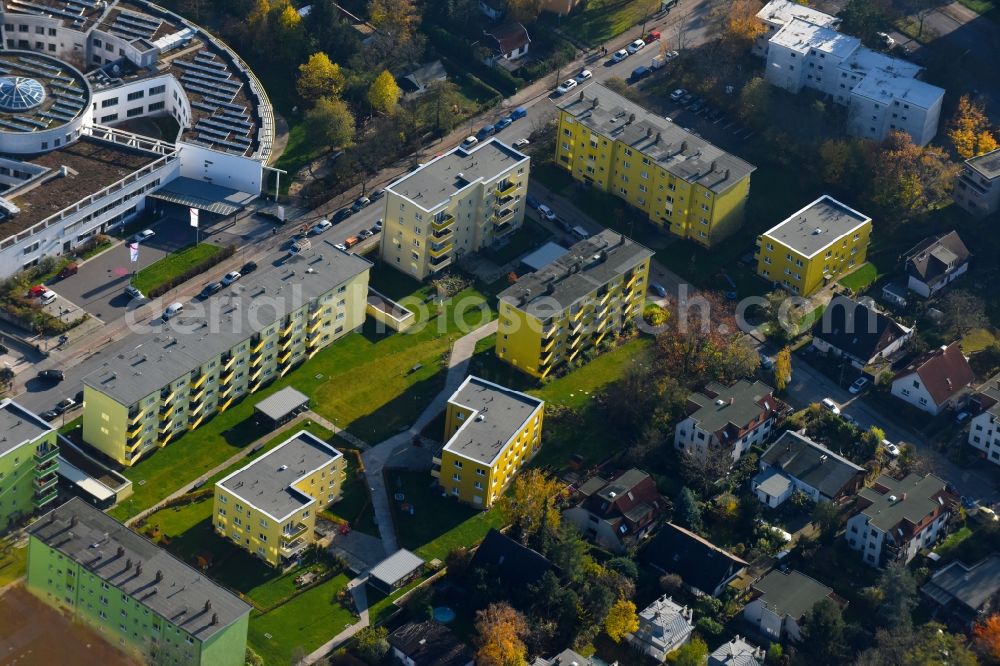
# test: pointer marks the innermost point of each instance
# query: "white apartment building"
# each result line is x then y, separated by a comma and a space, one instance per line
460, 202
984, 428
977, 188
733, 417
776, 14
882, 93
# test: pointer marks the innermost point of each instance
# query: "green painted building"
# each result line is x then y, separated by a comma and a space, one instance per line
139, 596
28, 464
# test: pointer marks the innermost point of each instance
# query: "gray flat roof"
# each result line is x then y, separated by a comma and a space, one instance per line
435, 182
675, 149
19, 426
803, 459
810, 229
136, 566
740, 404
971, 585
587, 266
396, 567
791, 593
498, 413
194, 193
912, 499
987, 164
266, 483
543, 256
281, 403
170, 351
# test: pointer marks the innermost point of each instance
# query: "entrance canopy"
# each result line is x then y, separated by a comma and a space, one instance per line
198, 194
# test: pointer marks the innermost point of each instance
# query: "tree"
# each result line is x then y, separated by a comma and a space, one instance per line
441, 105
384, 93
372, 643
740, 26
782, 368
969, 129
532, 502
930, 645
624, 566
908, 178
396, 24
621, 620
319, 77
501, 631
987, 637
671, 583
823, 632
962, 312
687, 510
863, 18
692, 653
827, 518
755, 100
524, 11
330, 122
899, 596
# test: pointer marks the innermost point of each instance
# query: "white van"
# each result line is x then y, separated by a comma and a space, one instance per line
172, 310
48, 297
580, 232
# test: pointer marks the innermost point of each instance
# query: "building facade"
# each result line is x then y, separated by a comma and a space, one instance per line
936, 381
984, 428
936, 262
732, 417
491, 432
549, 317
28, 464
456, 204
780, 600
678, 180
269, 507
977, 188
260, 328
814, 246
664, 626
619, 513
776, 14
137, 595
795, 463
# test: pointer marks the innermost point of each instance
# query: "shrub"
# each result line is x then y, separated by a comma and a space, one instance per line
197, 269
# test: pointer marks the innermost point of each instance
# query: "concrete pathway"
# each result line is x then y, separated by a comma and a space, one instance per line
357, 588
329, 425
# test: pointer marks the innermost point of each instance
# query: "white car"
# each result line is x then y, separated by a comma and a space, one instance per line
230, 277
143, 235
48, 296
172, 310
469, 142
831, 405
635, 46
891, 448
620, 55
546, 213
341, 247
566, 86
678, 94
521, 143
886, 39
859, 385
670, 55
320, 227
584, 75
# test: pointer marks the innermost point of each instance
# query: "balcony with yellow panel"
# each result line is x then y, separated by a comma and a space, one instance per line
196, 396
135, 432
227, 362
256, 374
442, 222
546, 358
548, 344
284, 357
286, 344
438, 250
255, 361
575, 316
506, 188
443, 235
440, 263
227, 377
314, 327
257, 346
135, 418
196, 382
631, 281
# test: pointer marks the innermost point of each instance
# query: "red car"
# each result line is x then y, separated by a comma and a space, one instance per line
653, 36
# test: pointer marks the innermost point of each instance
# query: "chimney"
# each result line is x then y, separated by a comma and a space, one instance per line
159, 576
581, 95
208, 605
138, 569
128, 564
72, 521
659, 137
215, 619
649, 132
594, 102
120, 552
631, 118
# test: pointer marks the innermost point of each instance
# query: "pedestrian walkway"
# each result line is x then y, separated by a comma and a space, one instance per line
357, 589
337, 430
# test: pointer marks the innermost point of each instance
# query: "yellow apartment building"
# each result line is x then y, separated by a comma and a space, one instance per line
460, 202
681, 182
269, 507
217, 351
550, 317
814, 246
491, 432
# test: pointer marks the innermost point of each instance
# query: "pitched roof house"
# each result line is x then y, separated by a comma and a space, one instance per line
858, 332
428, 643
935, 263
781, 599
795, 462
734, 417
664, 626
896, 518
515, 565
966, 593
565, 658
984, 428
737, 652
936, 380
618, 513
509, 41
704, 567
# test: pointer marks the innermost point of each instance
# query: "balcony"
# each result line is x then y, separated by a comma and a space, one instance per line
226, 378
165, 427
43, 483
168, 395
284, 358
227, 362
134, 418
293, 532
550, 330
574, 341
197, 382
575, 316
287, 329
437, 250
135, 432
195, 408
506, 189
315, 327
547, 346
442, 222
43, 497
256, 375
286, 344
631, 281
166, 411
443, 235
440, 264
602, 299
546, 358
196, 396
45, 454
257, 346
293, 548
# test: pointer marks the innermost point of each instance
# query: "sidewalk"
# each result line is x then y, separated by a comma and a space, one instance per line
357, 588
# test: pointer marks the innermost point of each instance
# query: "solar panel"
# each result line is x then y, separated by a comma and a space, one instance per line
20, 94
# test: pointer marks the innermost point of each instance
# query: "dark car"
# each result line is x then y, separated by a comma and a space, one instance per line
686, 99
210, 289
51, 375
485, 132
502, 124
78, 398
360, 203
376, 195
697, 105
342, 214
248, 267
50, 416
64, 405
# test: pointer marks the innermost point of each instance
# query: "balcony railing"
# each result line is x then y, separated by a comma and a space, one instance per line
438, 264
440, 249
43, 483
256, 348
506, 189
443, 235
45, 454
443, 222
283, 359
315, 327
293, 547
297, 530
43, 497
135, 418
228, 363
199, 381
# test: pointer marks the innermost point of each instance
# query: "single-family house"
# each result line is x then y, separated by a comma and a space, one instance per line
705, 568
780, 600
664, 626
984, 428
509, 42
737, 652
731, 417
419, 79
935, 263
618, 513
936, 380
428, 643
895, 518
513, 565
795, 462
965, 594
857, 332
567, 657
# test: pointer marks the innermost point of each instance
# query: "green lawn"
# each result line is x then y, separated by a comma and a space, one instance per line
173, 265
600, 20
285, 634
947, 548
13, 565
355, 506
862, 278
977, 340
983, 7
576, 388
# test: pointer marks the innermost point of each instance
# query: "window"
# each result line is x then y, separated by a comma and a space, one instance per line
111, 101
157, 90
138, 94
132, 113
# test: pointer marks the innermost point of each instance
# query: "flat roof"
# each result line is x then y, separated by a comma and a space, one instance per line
783, 11
281, 403
586, 266
84, 481
802, 36
987, 165
740, 404
865, 60
543, 256
673, 148
195, 193
19, 426
791, 593
811, 229
250, 305
912, 499
884, 87
436, 182
131, 563
266, 483
396, 567
498, 413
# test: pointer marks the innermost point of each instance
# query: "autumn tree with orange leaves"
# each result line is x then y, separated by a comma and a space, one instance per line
969, 129
987, 637
501, 632
740, 26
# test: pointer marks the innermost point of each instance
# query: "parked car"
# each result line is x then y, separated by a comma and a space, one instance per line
962, 417
584, 75
365, 233
620, 55
521, 143
142, 236
686, 99
248, 268
378, 226
697, 105
133, 293
48, 296
670, 55
891, 448
320, 227
859, 385
566, 86
50, 415
342, 215
51, 375
518, 113
635, 46
64, 405
352, 241
375, 195
580, 232
210, 289
230, 277
469, 142
678, 95
653, 36
658, 289
68, 270
485, 132
503, 123
341, 247
546, 213
360, 203
766, 361
173, 310
78, 397
886, 40
639, 73
831, 405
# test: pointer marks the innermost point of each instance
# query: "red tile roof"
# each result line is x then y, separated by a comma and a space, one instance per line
943, 371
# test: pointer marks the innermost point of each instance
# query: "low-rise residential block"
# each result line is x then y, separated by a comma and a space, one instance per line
795, 463
737, 652
269, 507
618, 513
491, 432
732, 418
984, 428
977, 188
780, 600
549, 318
896, 518
965, 594
705, 568
813, 246
776, 14
456, 204
139, 596
664, 626
937, 380
681, 182
28, 464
